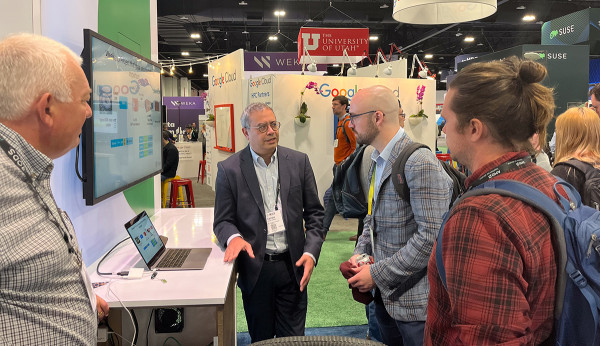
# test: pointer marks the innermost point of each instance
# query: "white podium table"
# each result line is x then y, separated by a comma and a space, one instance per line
207, 296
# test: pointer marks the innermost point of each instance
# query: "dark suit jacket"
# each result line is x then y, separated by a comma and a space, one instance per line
170, 160
239, 209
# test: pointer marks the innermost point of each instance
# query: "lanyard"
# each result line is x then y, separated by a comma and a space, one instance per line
16, 158
277, 193
509, 166
371, 190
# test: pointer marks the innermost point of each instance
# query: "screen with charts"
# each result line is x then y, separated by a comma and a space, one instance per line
145, 237
122, 141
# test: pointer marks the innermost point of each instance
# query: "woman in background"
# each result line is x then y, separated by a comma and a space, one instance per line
577, 143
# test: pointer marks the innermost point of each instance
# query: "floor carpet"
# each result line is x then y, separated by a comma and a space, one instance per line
330, 302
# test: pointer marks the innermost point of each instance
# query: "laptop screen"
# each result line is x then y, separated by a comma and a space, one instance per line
145, 236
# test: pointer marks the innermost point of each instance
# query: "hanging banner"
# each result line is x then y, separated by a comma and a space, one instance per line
274, 61
327, 45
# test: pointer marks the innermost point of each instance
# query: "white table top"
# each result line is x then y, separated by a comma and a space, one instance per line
185, 228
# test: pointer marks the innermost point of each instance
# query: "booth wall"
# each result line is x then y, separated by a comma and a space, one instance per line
282, 91
225, 87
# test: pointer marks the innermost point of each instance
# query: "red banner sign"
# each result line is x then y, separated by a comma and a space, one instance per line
327, 45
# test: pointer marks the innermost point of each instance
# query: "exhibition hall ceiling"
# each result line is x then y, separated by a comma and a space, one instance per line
227, 25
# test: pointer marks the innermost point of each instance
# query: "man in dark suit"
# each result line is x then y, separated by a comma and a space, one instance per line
170, 157
263, 194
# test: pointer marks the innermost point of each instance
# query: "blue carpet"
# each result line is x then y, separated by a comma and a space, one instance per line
351, 331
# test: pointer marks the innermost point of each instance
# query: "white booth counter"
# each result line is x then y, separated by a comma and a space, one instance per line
190, 154
207, 296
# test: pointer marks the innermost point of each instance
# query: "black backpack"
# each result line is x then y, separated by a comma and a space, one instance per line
348, 196
398, 177
591, 188
346, 189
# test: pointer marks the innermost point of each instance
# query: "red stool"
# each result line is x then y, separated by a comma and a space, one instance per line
201, 170
184, 183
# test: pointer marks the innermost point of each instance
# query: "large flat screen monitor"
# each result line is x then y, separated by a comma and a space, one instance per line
121, 143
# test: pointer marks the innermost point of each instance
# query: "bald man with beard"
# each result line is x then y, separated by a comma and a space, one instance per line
403, 232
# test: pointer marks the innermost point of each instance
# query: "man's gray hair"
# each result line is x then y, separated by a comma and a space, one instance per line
253, 107
31, 65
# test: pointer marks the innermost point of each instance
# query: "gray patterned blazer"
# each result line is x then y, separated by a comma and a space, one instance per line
405, 233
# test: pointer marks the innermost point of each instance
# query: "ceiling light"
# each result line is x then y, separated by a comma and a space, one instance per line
183, 18
529, 18
205, 75
279, 13
428, 56
242, 3
195, 35
185, 53
190, 71
469, 38
335, 65
428, 11
172, 72
384, 6
198, 42
480, 44
245, 32
373, 38
224, 38
162, 70
273, 38
520, 7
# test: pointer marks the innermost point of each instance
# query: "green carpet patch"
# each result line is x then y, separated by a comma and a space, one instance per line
330, 302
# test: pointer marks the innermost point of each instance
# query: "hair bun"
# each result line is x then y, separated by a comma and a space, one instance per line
532, 72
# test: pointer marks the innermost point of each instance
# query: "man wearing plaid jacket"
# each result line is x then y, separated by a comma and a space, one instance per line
398, 234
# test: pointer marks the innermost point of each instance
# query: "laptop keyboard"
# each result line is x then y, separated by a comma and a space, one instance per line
174, 258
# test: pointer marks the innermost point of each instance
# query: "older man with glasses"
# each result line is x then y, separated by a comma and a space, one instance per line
264, 194
398, 234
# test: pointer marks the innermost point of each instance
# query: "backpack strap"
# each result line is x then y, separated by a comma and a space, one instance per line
398, 176
586, 168
545, 204
344, 129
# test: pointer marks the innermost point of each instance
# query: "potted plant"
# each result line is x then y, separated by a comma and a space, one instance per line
303, 119
420, 115
210, 120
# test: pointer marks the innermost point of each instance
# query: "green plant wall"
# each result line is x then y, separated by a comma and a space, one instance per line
127, 22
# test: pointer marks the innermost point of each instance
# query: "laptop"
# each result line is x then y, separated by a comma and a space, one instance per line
153, 250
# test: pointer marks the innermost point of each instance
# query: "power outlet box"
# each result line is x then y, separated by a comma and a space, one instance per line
102, 334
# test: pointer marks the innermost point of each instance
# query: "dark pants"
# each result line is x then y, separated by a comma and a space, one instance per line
275, 307
394, 332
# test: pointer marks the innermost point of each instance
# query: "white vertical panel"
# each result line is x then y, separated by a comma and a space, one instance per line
64, 21
20, 17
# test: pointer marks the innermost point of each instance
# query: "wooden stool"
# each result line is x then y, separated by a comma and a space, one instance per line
176, 185
201, 170
164, 188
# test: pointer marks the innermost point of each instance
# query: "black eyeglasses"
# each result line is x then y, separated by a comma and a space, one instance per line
354, 116
403, 115
262, 128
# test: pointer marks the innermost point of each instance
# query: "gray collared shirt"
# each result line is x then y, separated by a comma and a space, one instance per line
43, 298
